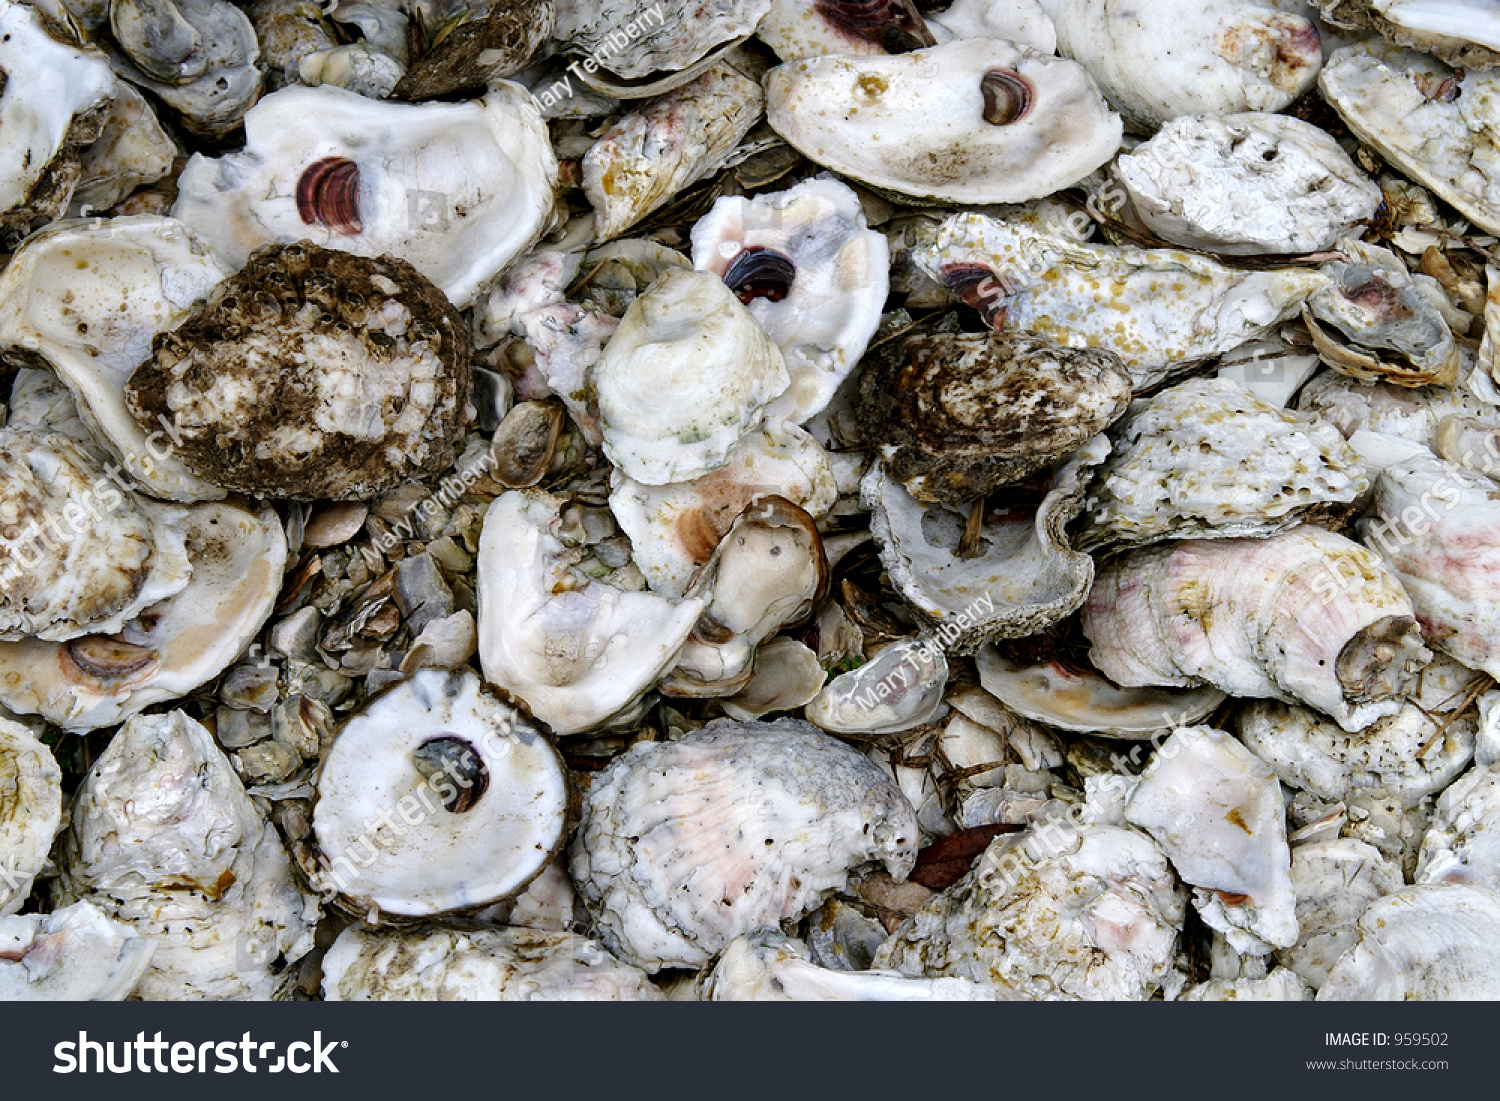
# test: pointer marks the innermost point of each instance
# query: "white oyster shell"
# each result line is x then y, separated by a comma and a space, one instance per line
1168, 58
1280, 985
1154, 308
1245, 184
1217, 812
1023, 22
477, 965
770, 967
1057, 913
1406, 756
920, 123
1306, 615
685, 845
1335, 882
1426, 943
1388, 409
657, 35
1463, 32
30, 811
674, 528
133, 149
1205, 459
164, 838
458, 190
823, 320
480, 814
1445, 140
901, 687
688, 337
1463, 844
73, 954
576, 651
88, 298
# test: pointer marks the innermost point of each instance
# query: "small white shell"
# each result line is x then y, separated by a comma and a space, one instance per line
1335, 881
1463, 843
73, 954
901, 687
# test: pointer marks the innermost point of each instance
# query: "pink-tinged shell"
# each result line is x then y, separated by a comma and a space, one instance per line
328, 195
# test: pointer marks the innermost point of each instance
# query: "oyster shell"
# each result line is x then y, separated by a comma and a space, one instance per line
675, 859
973, 121
810, 272
1217, 812
631, 40
73, 954
1205, 459
955, 416
770, 967
1460, 845
458, 190
481, 796
312, 373
1427, 943
1024, 575
476, 44
1279, 986
1387, 409
1305, 615
132, 149
438, 963
61, 300
1460, 32
1245, 184
1155, 308
575, 650
1189, 57
1061, 912
1436, 125
812, 28
30, 812
1335, 881
164, 838
688, 336
899, 688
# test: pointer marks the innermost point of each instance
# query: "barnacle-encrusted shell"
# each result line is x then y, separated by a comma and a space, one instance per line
1154, 308
1406, 756
973, 121
1217, 812
163, 837
954, 416
688, 337
1024, 575
312, 373
768, 966
493, 40
811, 273
574, 649
1189, 57
458, 190
1335, 881
481, 796
1206, 459
73, 954
30, 811
1437, 126
1461, 32
685, 845
1246, 183
1426, 943
1462, 844
1306, 615
81, 556
440, 964
1057, 913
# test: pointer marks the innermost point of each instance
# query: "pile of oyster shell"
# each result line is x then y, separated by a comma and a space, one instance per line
759, 499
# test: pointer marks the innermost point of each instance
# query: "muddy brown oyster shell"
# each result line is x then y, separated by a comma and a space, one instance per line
957, 415
313, 374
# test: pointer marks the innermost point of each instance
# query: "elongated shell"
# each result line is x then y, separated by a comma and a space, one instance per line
1306, 615
30, 811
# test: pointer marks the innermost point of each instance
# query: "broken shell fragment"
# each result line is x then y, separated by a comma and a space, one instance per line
1246, 184
1060, 912
810, 272
458, 190
955, 416
691, 338
30, 813
974, 121
1205, 459
481, 798
73, 954
675, 861
1188, 57
1335, 882
1305, 615
1460, 846
480, 964
575, 650
164, 838
901, 687
311, 374
1217, 812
